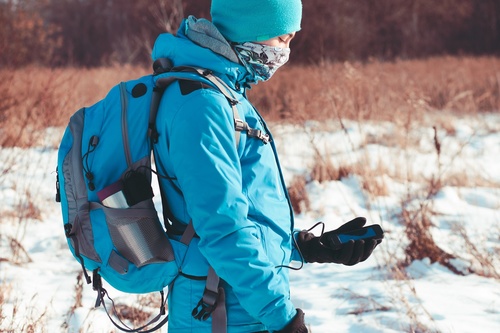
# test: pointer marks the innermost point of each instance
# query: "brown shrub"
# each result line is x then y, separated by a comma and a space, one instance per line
298, 195
422, 244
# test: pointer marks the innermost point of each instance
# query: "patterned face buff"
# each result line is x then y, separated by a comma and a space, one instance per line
262, 61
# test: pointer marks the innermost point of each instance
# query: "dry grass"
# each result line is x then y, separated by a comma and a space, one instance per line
421, 243
132, 314
323, 170
5, 291
417, 220
381, 90
364, 304
34, 98
139, 314
298, 195
13, 319
402, 293
483, 263
16, 253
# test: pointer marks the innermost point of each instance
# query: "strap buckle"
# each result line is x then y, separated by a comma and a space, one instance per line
239, 125
67, 230
256, 133
206, 305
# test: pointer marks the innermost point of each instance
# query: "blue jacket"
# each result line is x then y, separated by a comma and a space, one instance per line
234, 194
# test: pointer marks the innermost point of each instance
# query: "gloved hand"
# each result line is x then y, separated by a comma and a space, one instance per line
297, 324
321, 249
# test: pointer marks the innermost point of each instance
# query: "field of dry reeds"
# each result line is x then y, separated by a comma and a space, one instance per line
34, 98
382, 90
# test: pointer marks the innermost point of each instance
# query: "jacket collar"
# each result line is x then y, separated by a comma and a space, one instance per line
209, 51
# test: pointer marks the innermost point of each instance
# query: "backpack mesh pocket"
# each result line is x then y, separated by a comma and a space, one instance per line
137, 234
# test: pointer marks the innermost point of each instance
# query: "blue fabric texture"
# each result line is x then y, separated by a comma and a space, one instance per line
234, 194
257, 20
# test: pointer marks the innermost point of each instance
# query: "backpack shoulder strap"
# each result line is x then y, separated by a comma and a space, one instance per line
239, 124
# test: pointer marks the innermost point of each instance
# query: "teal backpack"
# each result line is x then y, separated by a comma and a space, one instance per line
103, 183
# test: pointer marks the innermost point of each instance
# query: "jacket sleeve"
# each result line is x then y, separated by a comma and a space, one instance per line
206, 163
296, 253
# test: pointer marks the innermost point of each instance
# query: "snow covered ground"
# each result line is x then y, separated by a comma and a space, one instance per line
38, 275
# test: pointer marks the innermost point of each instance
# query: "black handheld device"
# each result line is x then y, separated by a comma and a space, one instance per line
369, 232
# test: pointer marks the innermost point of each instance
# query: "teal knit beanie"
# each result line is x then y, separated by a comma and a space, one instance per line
256, 20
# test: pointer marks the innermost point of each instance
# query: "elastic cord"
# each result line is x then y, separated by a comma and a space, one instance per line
298, 248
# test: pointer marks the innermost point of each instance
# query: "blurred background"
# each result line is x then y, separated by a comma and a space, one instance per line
105, 32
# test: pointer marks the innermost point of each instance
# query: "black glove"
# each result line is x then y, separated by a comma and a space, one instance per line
296, 325
321, 249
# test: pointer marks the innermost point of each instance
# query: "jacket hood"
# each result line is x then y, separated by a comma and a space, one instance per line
183, 51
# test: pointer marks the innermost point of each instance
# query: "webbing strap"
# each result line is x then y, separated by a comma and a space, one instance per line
188, 234
212, 285
239, 124
212, 303
225, 90
155, 103
164, 82
219, 315
101, 292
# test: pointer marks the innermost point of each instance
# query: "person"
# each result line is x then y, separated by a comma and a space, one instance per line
231, 186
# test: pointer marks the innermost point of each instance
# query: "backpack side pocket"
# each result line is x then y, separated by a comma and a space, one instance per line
138, 235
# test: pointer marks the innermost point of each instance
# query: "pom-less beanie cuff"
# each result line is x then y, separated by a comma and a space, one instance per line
256, 20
